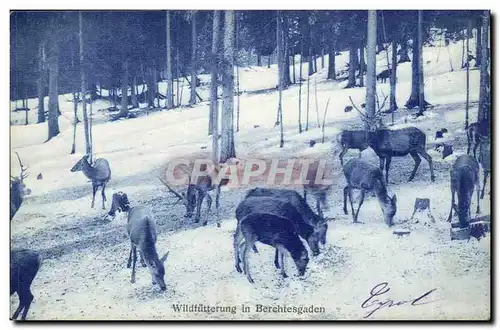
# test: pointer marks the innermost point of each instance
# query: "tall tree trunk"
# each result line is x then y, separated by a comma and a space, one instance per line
413, 101
133, 93
178, 74
293, 68
307, 103
484, 84
281, 53
371, 51
403, 57
40, 84
53, 122
361, 65
331, 64
394, 66
478, 43
151, 88
227, 131
237, 76
467, 81
463, 53
322, 58
353, 65
214, 105
192, 99
75, 120
300, 85
285, 52
170, 84
421, 99
259, 60
124, 104
269, 61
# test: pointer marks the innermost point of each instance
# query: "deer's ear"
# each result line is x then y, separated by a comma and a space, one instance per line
394, 199
164, 258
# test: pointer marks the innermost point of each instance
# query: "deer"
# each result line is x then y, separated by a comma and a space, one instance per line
318, 222
141, 228
18, 189
464, 175
388, 143
196, 192
270, 229
475, 132
317, 189
24, 266
484, 160
352, 139
99, 173
362, 175
284, 209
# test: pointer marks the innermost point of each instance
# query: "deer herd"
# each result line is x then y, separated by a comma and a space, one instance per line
281, 218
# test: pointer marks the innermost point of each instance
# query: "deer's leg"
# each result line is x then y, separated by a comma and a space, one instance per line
134, 260
381, 160
478, 187
27, 299
276, 261
417, 159
361, 200
237, 238
209, 205
103, 193
94, 190
476, 144
19, 308
282, 262
318, 207
484, 183
245, 261
468, 142
217, 198
143, 264
341, 156
199, 202
428, 158
387, 165
129, 262
346, 191
452, 204
352, 205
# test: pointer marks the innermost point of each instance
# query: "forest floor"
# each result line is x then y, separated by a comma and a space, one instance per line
84, 274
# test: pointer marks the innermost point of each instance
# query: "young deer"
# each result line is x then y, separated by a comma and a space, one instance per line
273, 230
283, 209
141, 228
475, 132
18, 189
318, 222
366, 177
464, 175
484, 159
24, 265
99, 173
317, 189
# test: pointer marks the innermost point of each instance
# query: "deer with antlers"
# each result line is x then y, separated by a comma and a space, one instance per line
18, 189
388, 143
197, 191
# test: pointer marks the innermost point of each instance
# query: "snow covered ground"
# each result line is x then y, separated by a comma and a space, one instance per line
84, 274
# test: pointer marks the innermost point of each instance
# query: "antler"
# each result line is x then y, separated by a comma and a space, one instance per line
179, 196
357, 109
23, 174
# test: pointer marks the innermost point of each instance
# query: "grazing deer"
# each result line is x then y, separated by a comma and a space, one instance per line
99, 173
475, 132
283, 209
24, 265
141, 228
273, 230
366, 177
464, 175
317, 189
318, 222
18, 189
484, 159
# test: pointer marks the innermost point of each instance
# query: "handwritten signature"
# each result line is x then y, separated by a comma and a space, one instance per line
381, 289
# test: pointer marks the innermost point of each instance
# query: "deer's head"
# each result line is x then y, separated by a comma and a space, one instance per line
79, 165
157, 268
389, 209
17, 185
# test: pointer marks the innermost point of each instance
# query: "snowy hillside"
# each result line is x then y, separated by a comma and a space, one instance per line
84, 274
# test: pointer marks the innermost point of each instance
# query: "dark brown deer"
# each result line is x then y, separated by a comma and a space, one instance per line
273, 230
484, 159
395, 143
366, 177
24, 265
318, 222
475, 132
18, 189
464, 175
99, 173
284, 209
141, 228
